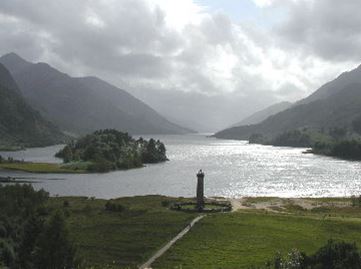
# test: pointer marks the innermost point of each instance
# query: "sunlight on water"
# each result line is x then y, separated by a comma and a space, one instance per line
233, 169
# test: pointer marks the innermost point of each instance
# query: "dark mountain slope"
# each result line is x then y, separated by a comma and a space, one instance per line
337, 110
20, 125
82, 105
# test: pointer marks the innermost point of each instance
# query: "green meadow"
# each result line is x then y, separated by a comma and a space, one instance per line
138, 226
124, 238
249, 238
44, 167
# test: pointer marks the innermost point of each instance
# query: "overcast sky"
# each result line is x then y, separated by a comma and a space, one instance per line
205, 63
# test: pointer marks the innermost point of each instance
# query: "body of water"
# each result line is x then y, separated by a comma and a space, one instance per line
232, 168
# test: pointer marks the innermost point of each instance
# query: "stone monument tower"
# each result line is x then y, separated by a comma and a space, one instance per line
200, 190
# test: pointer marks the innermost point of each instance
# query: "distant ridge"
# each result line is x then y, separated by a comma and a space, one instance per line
263, 114
335, 104
83, 105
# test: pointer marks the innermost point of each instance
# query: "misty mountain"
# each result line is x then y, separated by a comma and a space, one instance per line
263, 114
335, 86
20, 125
336, 104
82, 105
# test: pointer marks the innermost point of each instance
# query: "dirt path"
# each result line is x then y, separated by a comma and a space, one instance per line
147, 264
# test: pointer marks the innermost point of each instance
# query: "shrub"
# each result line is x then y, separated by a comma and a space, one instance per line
333, 255
113, 207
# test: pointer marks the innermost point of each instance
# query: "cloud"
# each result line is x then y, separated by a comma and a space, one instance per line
160, 49
327, 29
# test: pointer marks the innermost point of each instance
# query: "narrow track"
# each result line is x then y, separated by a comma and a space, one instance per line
147, 264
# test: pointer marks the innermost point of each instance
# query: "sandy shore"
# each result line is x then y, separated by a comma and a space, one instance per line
282, 205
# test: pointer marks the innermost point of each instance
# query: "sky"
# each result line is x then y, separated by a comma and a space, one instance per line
205, 64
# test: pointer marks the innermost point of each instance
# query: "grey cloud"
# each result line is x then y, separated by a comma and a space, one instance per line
132, 36
326, 28
130, 44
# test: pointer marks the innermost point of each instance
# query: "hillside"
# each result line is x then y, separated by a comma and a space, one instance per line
263, 114
336, 104
335, 86
83, 105
20, 125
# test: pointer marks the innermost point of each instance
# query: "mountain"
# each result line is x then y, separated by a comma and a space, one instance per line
336, 104
264, 114
20, 125
83, 105
335, 86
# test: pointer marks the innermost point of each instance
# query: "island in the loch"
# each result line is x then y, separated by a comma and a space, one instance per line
101, 151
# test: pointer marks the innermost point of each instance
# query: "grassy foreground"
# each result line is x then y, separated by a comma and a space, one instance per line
251, 237
124, 238
138, 226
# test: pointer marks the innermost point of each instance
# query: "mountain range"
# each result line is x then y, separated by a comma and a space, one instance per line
263, 114
21, 125
82, 105
335, 104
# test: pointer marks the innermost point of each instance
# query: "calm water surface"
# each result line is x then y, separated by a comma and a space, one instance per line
233, 169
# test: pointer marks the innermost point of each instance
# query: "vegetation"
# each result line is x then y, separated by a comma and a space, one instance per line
333, 255
336, 141
110, 150
11, 164
40, 168
120, 233
345, 149
294, 138
76, 232
30, 235
79, 232
249, 238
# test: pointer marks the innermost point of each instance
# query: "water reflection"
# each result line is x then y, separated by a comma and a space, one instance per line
233, 168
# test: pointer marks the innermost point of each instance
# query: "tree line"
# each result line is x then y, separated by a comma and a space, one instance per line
32, 237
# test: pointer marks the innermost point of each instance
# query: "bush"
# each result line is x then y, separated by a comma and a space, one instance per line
165, 203
333, 255
113, 207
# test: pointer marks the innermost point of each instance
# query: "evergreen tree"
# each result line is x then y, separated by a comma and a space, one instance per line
54, 250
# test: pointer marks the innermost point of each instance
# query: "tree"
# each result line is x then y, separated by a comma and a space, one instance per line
54, 250
338, 132
32, 230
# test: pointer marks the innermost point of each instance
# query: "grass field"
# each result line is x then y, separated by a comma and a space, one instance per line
121, 239
41, 167
252, 237
242, 239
